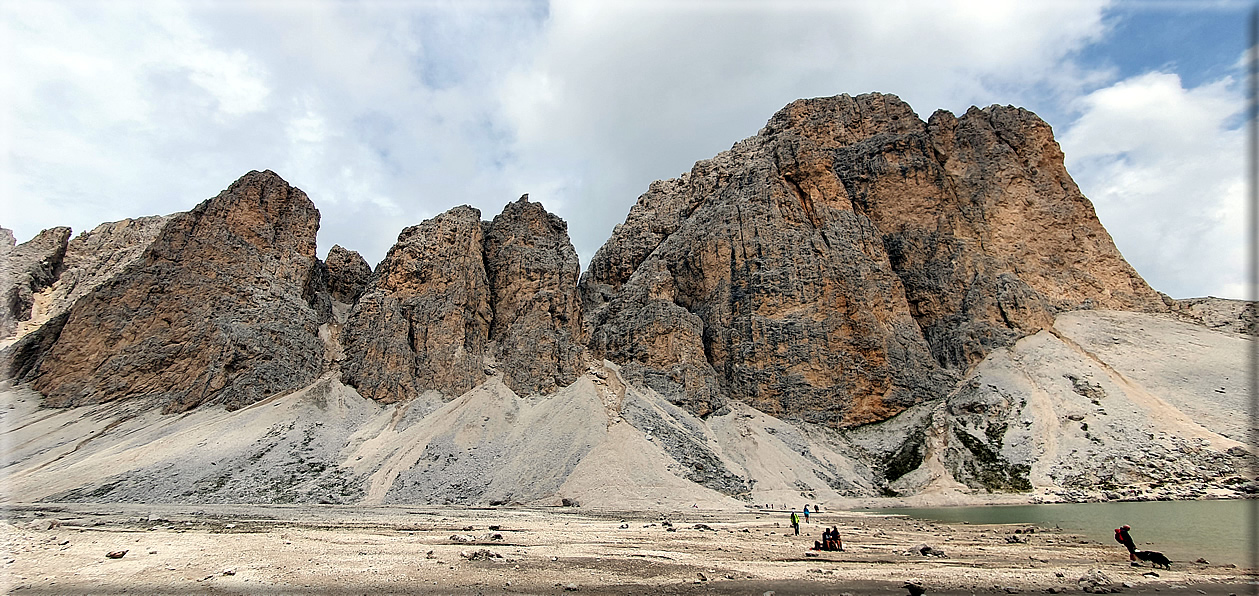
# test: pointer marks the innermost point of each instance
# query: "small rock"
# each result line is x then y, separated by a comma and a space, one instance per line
117, 554
1202, 561
810, 554
1011, 590
430, 555
570, 588
915, 589
229, 572
702, 577
43, 525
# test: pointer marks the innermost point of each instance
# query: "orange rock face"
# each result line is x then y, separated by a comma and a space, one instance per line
850, 260
457, 299
216, 310
424, 321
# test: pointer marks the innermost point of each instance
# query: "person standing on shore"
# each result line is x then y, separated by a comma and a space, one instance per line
795, 522
1122, 537
806, 514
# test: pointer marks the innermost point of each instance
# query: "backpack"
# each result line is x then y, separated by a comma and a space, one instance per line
1118, 536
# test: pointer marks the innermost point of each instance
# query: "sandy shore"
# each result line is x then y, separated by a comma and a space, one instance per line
61, 549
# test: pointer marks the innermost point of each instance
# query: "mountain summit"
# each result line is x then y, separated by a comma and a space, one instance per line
852, 303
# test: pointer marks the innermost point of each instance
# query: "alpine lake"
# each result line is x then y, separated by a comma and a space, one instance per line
1220, 531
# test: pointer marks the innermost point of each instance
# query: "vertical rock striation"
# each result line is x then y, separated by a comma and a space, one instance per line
25, 270
533, 272
457, 299
850, 260
423, 322
217, 310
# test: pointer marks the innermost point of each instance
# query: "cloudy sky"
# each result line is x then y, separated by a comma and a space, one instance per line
388, 113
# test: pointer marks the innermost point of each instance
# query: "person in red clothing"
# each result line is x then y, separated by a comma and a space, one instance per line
1122, 537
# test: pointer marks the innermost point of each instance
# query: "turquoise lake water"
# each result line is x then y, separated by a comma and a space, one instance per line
1218, 531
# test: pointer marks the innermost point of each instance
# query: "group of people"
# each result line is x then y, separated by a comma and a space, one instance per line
830, 536
830, 540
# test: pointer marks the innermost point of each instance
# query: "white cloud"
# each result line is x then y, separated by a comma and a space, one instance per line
386, 113
1164, 167
620, 94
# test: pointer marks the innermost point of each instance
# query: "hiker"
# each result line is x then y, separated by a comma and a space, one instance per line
795, 522
806, 514
1122, 537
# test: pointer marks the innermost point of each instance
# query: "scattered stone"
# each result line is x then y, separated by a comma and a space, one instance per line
43, 525
1094, 581
915, 588
117, 554
1202, 561
570, 587
229, 572
483, 554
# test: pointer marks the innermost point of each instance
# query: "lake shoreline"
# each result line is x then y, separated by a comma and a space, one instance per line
302, 549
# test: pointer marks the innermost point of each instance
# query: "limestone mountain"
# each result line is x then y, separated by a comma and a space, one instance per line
851, 260
457, 299
220, 308
852, 303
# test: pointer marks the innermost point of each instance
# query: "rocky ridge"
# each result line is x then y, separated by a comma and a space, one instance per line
458, 299
25, 270
851, 260
900, 297
220, 308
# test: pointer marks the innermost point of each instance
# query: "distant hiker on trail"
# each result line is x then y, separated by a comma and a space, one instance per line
795, 522
806, 514
1122, 537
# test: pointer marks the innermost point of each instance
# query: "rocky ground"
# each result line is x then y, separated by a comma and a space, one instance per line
63, 549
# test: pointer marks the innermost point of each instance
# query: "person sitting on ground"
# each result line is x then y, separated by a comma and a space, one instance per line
832, 540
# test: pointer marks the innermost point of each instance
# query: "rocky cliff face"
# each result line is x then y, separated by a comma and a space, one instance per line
217, 309
348, 274
850, 260
533, 270
457, 299
25, 270
424, 320
89, 260
847, 262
